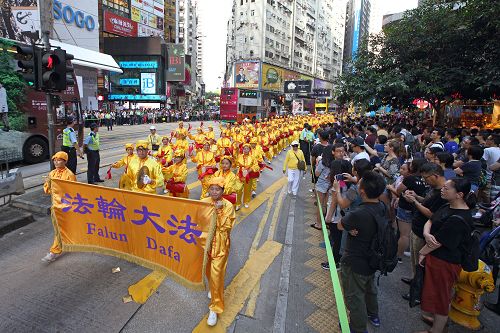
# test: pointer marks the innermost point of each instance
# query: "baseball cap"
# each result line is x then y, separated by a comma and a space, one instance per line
152, 128
358, 142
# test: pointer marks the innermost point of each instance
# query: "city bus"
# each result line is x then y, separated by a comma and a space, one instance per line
239, 104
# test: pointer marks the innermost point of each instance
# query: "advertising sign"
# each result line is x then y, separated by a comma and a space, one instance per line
272, 77
148, 83
135, 14
147, 31
229, 104
19, 22
297, 106
138, 64
157, 232
176, 62
129, 82
125, 97
356, 28
298, 87
119, 25
321, 92
247, 74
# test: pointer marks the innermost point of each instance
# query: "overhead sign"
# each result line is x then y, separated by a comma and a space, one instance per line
157, 232
176, 62
298, 87
138, 64
148, 83
119, 25
119, 97
321, 92
248, 94
129, 82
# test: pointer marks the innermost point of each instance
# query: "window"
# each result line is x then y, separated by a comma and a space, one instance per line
251, 53
241, 2
252, 12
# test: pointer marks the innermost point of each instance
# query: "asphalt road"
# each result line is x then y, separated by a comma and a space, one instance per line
274, 282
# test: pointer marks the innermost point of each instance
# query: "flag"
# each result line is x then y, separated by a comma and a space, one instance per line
108, 174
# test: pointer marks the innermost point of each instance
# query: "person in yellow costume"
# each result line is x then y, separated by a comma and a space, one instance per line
206, 166
176, 175
232, 185
60, 172
224, 144
154, 139
181, 144
273, 141
165, 154
198, 139
218, 249
238, 140
266, 146
210, 134
125, 182
248, 169
258, 153
181, 130
145, 172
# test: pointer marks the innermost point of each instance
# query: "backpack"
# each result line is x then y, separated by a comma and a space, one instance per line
470, 248
384, 246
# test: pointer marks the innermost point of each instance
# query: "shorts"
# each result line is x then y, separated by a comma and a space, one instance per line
404, 215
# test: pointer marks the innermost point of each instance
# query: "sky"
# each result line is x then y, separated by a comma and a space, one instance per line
214, 15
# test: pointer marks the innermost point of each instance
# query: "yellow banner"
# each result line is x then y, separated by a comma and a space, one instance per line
158, 232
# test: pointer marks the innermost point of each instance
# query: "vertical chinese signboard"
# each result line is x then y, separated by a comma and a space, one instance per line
176, 62
229, 104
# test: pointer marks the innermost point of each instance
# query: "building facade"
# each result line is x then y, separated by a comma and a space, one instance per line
357, 26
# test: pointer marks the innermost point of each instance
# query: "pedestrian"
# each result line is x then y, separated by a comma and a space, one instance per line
109, 121
4, 108
293, 166
218, 249
91, 146
70, 144
60, 172
358, 277
317, 151
154, 139
472, 168
358, 148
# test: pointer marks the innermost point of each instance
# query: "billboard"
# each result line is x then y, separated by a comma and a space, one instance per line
119, 25
176, 62
272, 77
247, 74
19, 23
150, 16
297, 106
148, 83
298, 87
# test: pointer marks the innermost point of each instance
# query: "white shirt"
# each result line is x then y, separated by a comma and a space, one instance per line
360, 156
491, 156
3, 100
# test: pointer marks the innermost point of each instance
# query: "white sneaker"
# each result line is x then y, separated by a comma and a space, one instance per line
268, 162
407, 254
246, 205
237, 208
50, 257
212, 318
209, 295
254, 194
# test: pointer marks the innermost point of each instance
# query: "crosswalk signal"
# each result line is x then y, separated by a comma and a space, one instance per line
30, 66
68, 70
50, 77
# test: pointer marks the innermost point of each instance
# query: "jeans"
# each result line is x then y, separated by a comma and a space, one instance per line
360, 292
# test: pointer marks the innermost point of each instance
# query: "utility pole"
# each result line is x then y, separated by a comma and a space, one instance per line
46, 25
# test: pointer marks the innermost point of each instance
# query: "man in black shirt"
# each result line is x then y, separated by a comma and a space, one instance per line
358, 277
317, 151
433, 175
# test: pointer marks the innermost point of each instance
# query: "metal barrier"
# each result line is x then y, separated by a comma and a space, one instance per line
11, 180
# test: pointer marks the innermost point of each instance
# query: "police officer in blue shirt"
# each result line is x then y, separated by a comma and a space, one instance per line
70, 144
91, 146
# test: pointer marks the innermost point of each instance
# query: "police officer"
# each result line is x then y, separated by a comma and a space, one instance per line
70, 144
91, 146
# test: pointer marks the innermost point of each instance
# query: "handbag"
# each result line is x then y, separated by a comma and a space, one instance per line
301, 165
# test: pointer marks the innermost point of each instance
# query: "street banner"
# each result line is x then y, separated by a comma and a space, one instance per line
247, 74
158, 232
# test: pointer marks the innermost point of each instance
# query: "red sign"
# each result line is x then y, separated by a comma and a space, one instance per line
119, 25
228, 104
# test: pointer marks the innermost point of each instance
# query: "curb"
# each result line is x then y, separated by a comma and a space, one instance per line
30, 206
18, 219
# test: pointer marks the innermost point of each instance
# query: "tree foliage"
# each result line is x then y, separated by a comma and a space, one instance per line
438, 51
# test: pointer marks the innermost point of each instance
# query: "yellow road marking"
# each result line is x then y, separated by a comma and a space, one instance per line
276, 214
194, 185
240, 287
145, 287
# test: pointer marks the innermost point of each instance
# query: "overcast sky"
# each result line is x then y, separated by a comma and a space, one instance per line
214, 15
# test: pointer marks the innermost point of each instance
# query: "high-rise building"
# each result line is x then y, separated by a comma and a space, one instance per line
302, 36
170, 19
357, 26
376, 17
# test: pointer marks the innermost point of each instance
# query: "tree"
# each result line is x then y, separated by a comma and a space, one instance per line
438, 51
14, 85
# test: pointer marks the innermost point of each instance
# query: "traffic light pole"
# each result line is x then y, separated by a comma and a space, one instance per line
46, 27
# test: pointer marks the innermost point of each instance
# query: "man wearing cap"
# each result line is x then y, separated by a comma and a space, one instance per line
290, 167
145, 173
60, 172
91, 146
358, 147
70, 144
153, 139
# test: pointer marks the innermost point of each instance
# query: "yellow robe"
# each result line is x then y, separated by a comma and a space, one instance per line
249, 163
199, 139
155, 174
204, 159
222, 144
219, 253
178, 172
210, 135
125, 182
180, 131
64, 174
231, 182
167, 152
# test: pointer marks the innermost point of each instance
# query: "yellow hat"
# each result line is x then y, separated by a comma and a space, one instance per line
253, 140
141, 144
60, 155
227, 157
165, 137
129, 145
247, 145
179, 153
210, 126
199, 129
219, 181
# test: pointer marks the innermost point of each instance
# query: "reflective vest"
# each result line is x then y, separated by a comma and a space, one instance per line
94, 141
66, 138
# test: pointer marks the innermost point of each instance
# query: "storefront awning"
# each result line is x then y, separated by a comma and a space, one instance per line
89, 58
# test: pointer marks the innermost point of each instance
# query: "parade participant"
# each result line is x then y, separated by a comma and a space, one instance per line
218, 250
154, 139
258, 153
264, 143
176, 175
248, 171
60, 172
290, 165
181, 143
206, 166
238, 140
125, 182
91, 146
165, 153
224, 145
181, 131
210, 134
144, 172
199, 139
70, 144
232, 186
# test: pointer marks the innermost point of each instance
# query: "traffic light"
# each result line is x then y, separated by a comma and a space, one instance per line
50, 78
68, 69
30, 65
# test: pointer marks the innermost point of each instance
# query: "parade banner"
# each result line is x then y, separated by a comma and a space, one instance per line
158, 232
